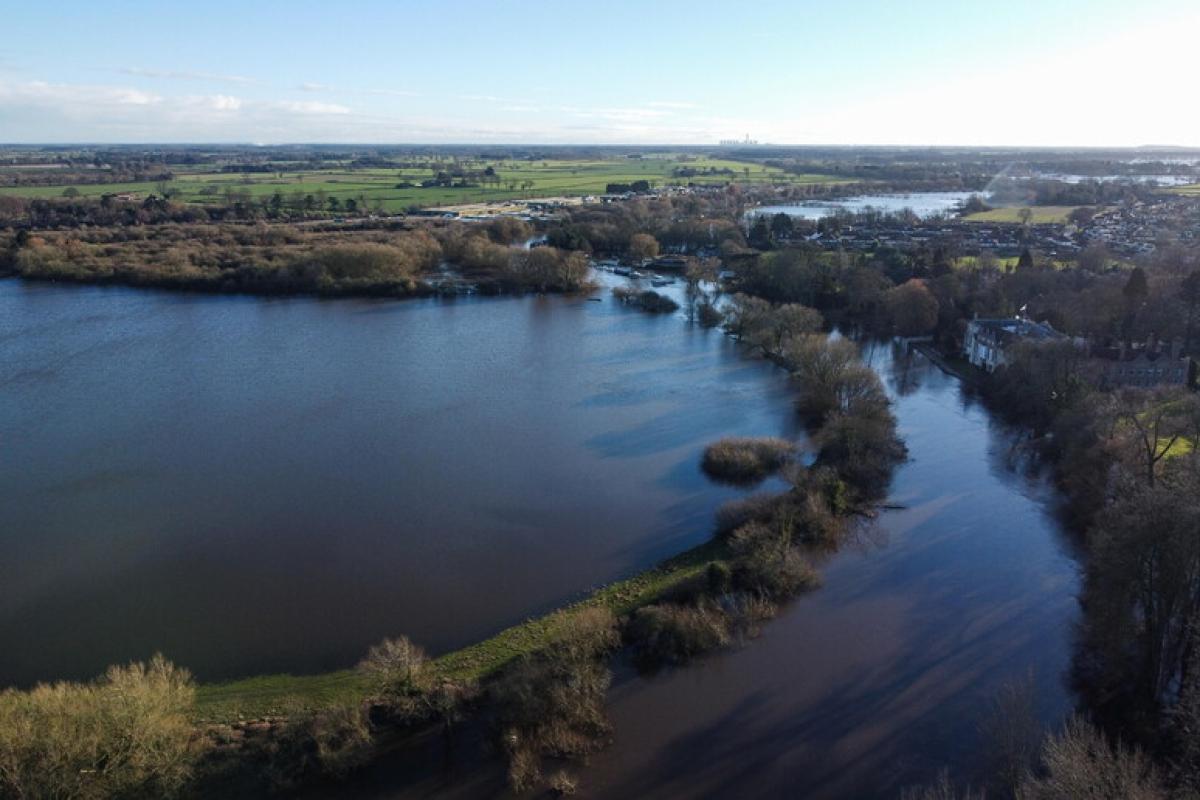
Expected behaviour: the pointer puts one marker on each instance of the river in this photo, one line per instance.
(876, 681)
(880, 678)
(276, 483)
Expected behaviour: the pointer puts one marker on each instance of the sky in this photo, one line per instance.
(918, 72)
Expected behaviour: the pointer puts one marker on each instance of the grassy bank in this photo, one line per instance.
(268, 695)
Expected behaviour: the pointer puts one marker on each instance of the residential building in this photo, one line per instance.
(986, 340)
(1148, 364)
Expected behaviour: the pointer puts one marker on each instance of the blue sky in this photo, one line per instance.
(1056, 72)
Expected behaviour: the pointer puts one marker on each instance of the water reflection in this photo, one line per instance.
(875, 681)
(880, 678)
(257, 485)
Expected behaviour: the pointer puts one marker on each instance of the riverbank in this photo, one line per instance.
(421, 288)
(956, 367)
(272, 695)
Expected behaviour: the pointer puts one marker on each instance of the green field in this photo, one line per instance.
(1192, 190)
(1003, 262)
(377, 186)
(1041, 215)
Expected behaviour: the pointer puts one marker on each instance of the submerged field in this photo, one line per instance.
(379, 188)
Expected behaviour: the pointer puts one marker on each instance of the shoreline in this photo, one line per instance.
(262, 696)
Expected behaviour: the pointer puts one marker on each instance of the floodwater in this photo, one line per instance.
(880, 678)
(873, 683)
(277, 483)
(252, 485)
(923, 204)
(1157, 180)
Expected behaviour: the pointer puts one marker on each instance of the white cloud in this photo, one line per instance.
(312, 107)
(185, 75)
(620, 114)
(133, 97)
(324, 87)
(388, 92)
(676, 105)
(73, 95)
(224, 102)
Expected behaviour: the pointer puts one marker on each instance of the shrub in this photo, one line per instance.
(406, 688)
(394, 664)
(775, 575)
(745, 460)
(552, 703)
(127, 733)
(647, 300)
(673, 634)
(1080, 763)
(940, 789)
(819, 508)
(585, 634)
(736, 513)
(332, 741)
(863, 449)
(746, 612)
(363, 262)
(718, 577)
(342, 739)
(563, 784)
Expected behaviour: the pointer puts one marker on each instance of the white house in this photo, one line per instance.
(987, 339)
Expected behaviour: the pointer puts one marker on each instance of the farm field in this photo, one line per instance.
(377, 188)
(1041, 215)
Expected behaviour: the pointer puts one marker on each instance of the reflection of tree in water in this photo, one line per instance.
(907, 371)
(1015, 452)
(901, 367)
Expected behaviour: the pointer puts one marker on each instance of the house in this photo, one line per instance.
(986, 340)
(1152, 363)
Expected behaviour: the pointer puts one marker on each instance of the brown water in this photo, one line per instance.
(253, 485)
(874, 682)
